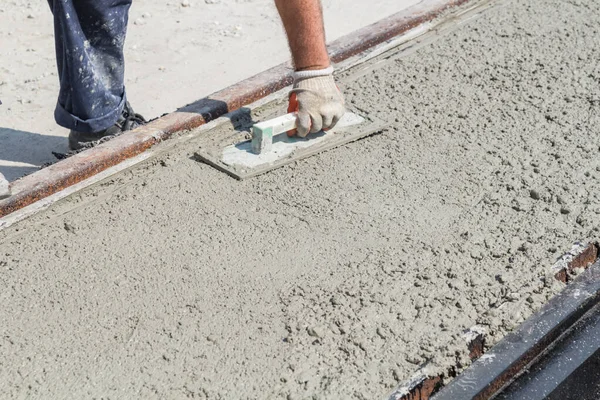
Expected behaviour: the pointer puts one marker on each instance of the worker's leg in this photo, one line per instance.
(89, 36)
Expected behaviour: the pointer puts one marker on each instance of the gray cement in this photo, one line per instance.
(377, 254)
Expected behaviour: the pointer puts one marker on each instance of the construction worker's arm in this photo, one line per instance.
(315, 95)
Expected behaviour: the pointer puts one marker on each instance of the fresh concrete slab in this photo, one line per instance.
(373, 256)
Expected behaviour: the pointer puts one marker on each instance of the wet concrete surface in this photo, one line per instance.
(340, 275)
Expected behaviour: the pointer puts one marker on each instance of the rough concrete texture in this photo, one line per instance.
(335, 277)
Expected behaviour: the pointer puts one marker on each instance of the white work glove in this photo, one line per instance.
(318, 101)
(4, 188)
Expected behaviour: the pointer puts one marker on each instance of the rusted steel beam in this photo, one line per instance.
(419, 387)
(580, 256)
(476, 346)
(77, 168)
(423, 385)
(424, 390)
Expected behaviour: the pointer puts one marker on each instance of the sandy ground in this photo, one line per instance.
(174, 55)
(337, 276)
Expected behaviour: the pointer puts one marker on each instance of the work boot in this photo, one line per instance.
(4, 187)
(127, 121)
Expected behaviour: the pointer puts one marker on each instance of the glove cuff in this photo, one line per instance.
(300, 75)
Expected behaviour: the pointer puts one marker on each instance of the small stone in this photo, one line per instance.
(494, 198)
(31, 16)
(316, 331)
(513, 296)
(476, 254)
(69, 228)
(476, 281)
(212, 339)
(336, 301)
(522, 247)
(139, 21)
(582, 220)
(304, 376)
(185, 3)
(419, 303)
(146, 15)
(534, 194)
(414, 360)
(515, 243)
(565, 210)
(521, 204)
(577, 271)
(493, 312)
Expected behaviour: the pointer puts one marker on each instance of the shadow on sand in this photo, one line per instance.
(28, 148)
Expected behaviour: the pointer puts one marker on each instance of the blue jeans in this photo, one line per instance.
(89, 37)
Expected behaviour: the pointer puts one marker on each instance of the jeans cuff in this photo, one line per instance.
(70, 121)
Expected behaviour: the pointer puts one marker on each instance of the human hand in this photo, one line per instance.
(318, 101)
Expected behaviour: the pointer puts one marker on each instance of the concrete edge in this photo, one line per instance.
(423, 385)
(517, 351)
(75, 169)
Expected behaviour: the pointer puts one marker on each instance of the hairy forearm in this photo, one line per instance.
(303, 23)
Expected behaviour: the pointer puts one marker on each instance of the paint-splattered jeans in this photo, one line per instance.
(89, 36)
